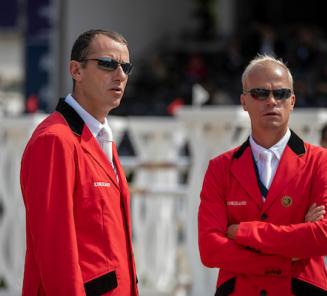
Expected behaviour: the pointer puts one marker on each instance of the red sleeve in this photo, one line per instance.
(47, 179)
(302, 240)
(216, 250)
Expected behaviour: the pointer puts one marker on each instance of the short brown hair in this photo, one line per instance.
(81, 47)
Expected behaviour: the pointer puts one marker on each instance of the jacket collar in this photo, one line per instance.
(295, 143)
(87, 140)
(290, 165)
(74, 121)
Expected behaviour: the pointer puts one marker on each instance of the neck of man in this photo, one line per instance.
(99, 115)
(269, 137)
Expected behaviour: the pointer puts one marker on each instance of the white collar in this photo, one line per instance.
(276, 149)
(93, 124)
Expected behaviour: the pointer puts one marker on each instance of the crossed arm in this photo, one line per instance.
(285, 240)
(315, 213)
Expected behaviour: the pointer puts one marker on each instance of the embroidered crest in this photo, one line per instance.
(286, 201)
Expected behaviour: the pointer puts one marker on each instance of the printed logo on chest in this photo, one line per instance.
(101, 184)
(237, 203)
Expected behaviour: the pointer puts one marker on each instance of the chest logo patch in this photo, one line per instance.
(286, 201)
(101, 184)
(237, 203)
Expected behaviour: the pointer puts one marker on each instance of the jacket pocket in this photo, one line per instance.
(226, 288)
(101, 285)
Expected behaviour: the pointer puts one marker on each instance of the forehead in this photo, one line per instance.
(268, 73)
(268, 70)
(102, 44)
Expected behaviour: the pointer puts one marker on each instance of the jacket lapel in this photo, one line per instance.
(121, 175)
(91, 146)
(290, 165)
(243, 170)
(123, 185)
(88, 142)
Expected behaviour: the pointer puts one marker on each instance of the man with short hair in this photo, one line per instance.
(262, 213)
(78, 226)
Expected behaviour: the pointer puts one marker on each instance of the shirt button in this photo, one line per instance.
(263, 293)
(264, 216)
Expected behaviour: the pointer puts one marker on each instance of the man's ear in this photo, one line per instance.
(242, 100)
(293, 100)
(75, 70)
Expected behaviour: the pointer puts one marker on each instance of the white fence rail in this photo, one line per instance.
(164, 201)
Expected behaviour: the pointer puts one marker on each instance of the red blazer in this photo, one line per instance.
(270, 233)
(78, 224)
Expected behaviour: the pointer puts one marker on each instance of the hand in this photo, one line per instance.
(315, 213)
(232, 230)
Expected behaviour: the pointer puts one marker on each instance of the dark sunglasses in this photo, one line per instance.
(263, 94)
(110, 64)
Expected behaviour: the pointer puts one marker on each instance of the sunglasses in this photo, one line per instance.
(263, 94)
(110, 64)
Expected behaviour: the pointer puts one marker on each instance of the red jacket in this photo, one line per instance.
(270, 233)
(77, 215)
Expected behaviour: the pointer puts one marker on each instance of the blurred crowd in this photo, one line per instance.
(164, 79)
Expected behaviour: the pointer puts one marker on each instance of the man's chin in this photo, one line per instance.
(114, 104)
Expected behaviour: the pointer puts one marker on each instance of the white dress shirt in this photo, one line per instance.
(276, 151)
